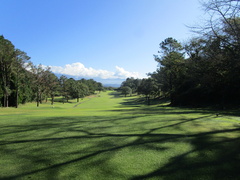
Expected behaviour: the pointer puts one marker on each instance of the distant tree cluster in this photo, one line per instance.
(206, 69)
(21, 81)
(147, 87)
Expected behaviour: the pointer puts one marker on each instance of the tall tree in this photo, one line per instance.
(172, 66)
(40, 82)
(20, 72)
(148, 87)
(223, 33)
(82, 90)
(126, 90)
(99, 87)
(7, 60)
(63, 87)
(132, 83)
(52, 84)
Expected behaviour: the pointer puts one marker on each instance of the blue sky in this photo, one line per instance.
(106, 39)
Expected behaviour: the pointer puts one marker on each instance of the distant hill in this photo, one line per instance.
(106, 82)
(112, 85)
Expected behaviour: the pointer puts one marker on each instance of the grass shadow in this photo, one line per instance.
(213, 156)
(210, 158)
(130, 144)
(115, 94)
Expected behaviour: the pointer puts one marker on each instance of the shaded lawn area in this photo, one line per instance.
(111, 137)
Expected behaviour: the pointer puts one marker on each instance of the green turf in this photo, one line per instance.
(112, 137)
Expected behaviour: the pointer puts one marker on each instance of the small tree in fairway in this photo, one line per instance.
(148, 88)
(126, 90)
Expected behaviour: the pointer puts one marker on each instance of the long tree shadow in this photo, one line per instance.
(87, 147)
(209, 159)
(213, 158)
(116, 94)
(139, 106)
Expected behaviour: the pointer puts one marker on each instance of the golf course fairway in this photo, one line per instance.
(109, 136)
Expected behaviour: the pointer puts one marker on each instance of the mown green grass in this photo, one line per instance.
(112, 137)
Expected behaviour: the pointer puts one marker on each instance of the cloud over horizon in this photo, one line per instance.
(79, 70)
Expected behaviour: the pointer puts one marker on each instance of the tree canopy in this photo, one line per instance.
(21, 81)
(205, 70)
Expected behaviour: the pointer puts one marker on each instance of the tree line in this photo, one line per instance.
(22, 82)
(205, 70)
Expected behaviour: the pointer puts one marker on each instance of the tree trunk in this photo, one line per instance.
(40, 98)
(6, 100)
(6, 94)
(37, 99)
(52, 100)
(17, 87)
(148, 99)
(17, 98)
(63, 99)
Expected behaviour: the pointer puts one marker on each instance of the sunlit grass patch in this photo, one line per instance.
(113, 137)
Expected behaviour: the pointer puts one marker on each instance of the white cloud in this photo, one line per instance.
(79, 70)
(120, 72)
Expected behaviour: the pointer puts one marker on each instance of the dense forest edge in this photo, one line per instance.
(23, 82)
(203, 71)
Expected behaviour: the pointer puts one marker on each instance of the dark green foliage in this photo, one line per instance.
(22, 82)
(77, 89)
(6, 68)
(12, 74)
(209, 73)
(172, 67)
(126, 90)
(132, 83)
(148, 87)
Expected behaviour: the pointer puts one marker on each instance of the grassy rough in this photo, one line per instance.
(113, 137)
